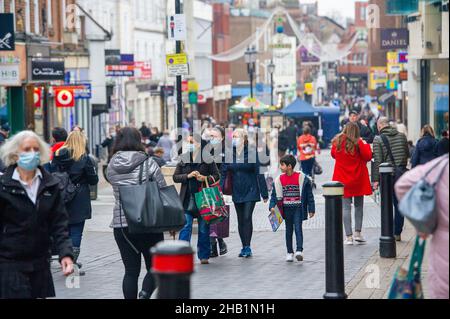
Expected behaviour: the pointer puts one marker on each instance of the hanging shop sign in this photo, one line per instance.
(309, 88)
(125, 67)
(307, 57)
(64, 97)
(112, 57)
(392, 39)
(81, 91)
(37, 97)
(7, 39)
(378, 77)
(403, 75)
(47, 70)
(403, 57)
(143, 70)
(9, 74)
(177, 64)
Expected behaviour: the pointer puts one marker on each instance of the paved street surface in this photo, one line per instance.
(266, 275)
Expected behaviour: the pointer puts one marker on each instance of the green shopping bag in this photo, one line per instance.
(211, 204)
(407, 284)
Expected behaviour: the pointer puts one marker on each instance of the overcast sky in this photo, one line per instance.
(345, 7)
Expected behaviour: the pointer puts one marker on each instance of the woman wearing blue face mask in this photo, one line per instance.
(31, 212)
(248, 186)
(191, 172)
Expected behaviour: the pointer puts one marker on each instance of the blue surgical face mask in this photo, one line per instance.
(215, 142)
(29, 161)
(190, 148)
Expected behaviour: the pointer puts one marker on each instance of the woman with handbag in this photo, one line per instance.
(217, 235)
(191, 172)
(248, 186)
(351, 154)
(124, 170)
(436, 173)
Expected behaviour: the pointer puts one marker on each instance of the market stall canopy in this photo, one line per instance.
(246, 104)
(301, 108)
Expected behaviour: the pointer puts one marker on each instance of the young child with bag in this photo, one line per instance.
(292, 194)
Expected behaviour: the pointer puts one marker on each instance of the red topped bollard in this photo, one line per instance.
(172, 266)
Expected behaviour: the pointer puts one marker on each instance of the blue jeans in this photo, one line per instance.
(294, 222)
(307, 166)
(76, 234)
(399, 219)
(203, 244)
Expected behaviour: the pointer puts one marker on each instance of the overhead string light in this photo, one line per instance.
(328, 52)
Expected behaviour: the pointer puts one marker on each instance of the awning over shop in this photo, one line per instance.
(387, 97)
(301, 108)
(246, 105)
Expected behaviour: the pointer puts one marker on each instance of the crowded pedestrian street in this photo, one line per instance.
(231, 157)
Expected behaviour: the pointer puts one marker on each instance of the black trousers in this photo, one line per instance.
(245, 221)
(132, 260)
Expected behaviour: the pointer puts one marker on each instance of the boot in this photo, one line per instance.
(76, 254)
(214, 250)
(223, 247)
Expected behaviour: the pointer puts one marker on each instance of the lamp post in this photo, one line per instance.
(250, 59)
(271, 70)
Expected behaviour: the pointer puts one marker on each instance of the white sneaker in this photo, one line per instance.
(359, 239)
(348, 241)
(290, 258)
(299, 256)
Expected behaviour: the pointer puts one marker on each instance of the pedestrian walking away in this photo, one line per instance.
(27, 191)
(292, 194)
(438, 276)
(248, 186)
(426, 147)
(307, 147)
(390, 147)
(352, 154)
(442, 147)
(123, 170)
(191, 172)
(166, 143)
(72, 159)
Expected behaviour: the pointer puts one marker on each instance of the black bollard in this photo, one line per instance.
(334, 245)
(173, 265)
(387, 240)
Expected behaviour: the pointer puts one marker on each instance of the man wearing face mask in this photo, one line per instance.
(29, 191)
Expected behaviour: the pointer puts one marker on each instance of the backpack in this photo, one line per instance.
(67, 188)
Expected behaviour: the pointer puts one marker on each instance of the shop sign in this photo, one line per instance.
(9, 75)
(177, 64)
(392, 39)
(64, 97)
(47, 70)
(7, 39)
(82, 91)
(378, 77)
(309, 88)
(112, 57)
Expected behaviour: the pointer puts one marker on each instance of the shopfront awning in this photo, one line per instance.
(387, 97)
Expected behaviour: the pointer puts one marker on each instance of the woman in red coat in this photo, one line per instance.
(352, 153)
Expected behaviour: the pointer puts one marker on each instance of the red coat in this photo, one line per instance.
(351, 170)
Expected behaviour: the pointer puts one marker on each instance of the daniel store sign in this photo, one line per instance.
(392, 39)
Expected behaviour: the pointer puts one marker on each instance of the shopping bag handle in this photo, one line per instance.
(417, 258)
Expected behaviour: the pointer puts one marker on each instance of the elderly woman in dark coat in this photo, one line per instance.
(31, 212)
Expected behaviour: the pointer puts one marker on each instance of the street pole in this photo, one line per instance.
(387, 240)
(251, 87)
(179, 80)
(334, 246)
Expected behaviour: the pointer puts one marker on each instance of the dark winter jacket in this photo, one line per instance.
(82, 173)
(188, 186)
(442, 147)
(308, 202)
(425, 151)
(292, 132)
(399, 146)
(366, 133)
(26, 228)
(249, 185)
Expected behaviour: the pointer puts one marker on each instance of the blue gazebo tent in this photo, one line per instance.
(300, 108)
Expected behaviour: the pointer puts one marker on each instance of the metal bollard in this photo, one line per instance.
(173, 265)
(387, 240)
(334, 245)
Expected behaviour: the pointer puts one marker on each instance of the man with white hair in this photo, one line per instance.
(27, 191)
(391, 147)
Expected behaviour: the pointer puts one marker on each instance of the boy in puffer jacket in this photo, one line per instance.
(292, 194)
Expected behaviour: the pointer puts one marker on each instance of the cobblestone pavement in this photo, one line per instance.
(266, 275)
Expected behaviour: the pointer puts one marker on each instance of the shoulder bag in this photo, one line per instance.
(419, 204)
(398, 170)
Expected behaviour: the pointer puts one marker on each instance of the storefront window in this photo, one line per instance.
(439, 95)
(4, 118)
